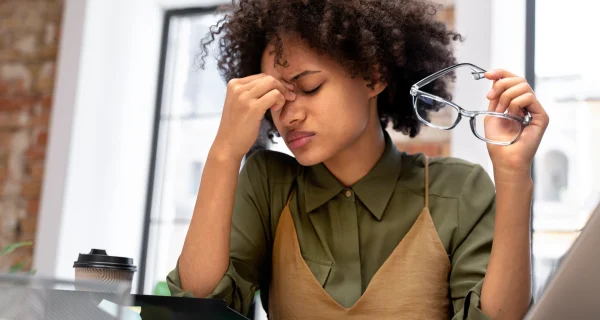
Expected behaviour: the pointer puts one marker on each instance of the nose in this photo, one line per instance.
(292, 113)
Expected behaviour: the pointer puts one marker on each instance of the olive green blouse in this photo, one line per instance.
(346, 233)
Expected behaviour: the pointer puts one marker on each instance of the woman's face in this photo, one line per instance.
(332, 110)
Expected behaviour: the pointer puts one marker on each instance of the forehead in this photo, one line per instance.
(298, 55)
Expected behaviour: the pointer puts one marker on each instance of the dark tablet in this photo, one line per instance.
(174, 308)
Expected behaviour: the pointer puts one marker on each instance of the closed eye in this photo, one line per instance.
(313, 91)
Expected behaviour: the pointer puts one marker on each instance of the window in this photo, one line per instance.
(190, 111)
(553, 183)
(566, 170)
(195, 176)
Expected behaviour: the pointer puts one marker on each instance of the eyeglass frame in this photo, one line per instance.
(478, 74)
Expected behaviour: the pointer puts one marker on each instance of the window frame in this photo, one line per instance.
(166, 27)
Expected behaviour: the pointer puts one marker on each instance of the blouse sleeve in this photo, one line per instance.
(249, 239)
(471, 255)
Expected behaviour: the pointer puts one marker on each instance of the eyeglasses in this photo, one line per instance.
(492, 127)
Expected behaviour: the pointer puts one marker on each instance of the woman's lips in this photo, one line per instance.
(298, 139)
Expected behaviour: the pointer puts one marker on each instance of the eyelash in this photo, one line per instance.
(313, 91)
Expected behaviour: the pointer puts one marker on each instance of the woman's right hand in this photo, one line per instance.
(246, 103)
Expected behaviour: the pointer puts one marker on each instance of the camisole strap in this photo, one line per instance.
(426, 182)
(289, 200)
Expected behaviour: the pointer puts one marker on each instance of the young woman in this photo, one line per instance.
(351, 227)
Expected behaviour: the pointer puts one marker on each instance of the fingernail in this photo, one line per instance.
(499, 108)
(288, 85)
(292, 95)
(491, 93)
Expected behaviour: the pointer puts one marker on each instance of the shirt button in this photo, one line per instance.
(348, 193)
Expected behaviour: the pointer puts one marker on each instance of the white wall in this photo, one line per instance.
(473, 21)
(57, 155)
(508, 39)
(107, 96)
(98, 157)
(495, 38)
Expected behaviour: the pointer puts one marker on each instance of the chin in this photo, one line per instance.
(309, 157)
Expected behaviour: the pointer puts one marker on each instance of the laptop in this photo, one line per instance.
(573, 291)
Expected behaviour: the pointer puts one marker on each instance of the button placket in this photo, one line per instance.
(348, 195)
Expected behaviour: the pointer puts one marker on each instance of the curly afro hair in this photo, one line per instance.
(400, 39)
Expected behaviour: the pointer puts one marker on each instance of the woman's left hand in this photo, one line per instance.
(514, 93)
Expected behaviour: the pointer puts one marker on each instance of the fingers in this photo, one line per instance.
(246, 80)
(262, 86)
(522, 101)
(493, 102)
(498, 74)
(501, 85)
(261, 92)
(504, 90)
(273, 99)
(513, 93)
(507, 96)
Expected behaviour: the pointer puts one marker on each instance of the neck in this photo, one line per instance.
(355, 161)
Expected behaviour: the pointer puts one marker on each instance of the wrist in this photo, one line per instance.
(513, 186)
(512, 176)
(222, 154)
(224, 151)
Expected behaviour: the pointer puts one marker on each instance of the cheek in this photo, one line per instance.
(345, 104)
(353, 111)
(276, 116)
(339, 121)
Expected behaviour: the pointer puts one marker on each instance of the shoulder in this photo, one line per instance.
(269, 176)
(273, 166)
(448, 177)
(267, 180)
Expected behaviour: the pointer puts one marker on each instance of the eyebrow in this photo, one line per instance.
(303, 73)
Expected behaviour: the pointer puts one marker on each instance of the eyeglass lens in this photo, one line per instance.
(437, 113)
(496, 129)
(488, 127)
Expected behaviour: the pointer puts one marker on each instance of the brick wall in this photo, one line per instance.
(29, 36)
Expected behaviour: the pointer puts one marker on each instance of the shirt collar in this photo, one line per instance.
(321, 186)
(374, 190)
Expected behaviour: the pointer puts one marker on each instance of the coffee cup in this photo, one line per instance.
(98, 267)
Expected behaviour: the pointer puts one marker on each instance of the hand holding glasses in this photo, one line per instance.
(492, 127)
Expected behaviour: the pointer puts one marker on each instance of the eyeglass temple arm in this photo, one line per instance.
(477, 74)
